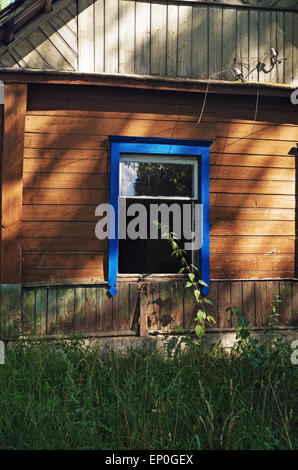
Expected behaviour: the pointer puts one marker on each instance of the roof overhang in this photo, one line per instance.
(147, 82)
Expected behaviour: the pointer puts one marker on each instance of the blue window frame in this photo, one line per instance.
(152, 145)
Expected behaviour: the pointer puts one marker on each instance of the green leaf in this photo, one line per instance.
(191, 276)
(202, 283)
(244, 334)
(181, 270)
(188, 284)
(243, 322)
(207, 301)
(211, 319)
(200, 331)
(253, 341)
(197, 294)
(201, 316)
(194, 267)
(174, 245)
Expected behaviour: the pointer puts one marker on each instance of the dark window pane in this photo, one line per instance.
(150, 256)
(156, 179)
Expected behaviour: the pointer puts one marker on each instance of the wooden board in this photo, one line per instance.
(142, 60)
(229, 42)
(158, 38)
(215, 41)
(184, 40)
(172, 44)
(12, 186)
(199, 63)
(250, 262)
(99, 53)
(65, 180)
(85, 36)
(252, 227)
(111, 36)
(90, 310)
(126, 36)
(251, 244)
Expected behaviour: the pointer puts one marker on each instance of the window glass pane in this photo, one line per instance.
(156, 179)
(151, 256)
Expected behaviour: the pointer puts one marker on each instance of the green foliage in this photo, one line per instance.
(243, 335)
(258, 353)
(64, 395)
(194, 283)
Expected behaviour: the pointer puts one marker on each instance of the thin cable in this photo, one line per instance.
(204, 103)
(206, 91)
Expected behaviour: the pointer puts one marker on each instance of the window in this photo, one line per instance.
(158, 183)
(152, 171)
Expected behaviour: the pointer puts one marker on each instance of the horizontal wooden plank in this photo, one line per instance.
(60, 155)
(254, 146)
(62, 260)
(251, 186)
(233, 275)
(228, 109)
(94, 94)
(255, 131)
(243, 173)
(63, 243)
(66, 180)
(59, 229)
(99, 126)
(266, 161)
(240, 213)
(67, 142)
(255, 244)
(104, 109)
(64, 196)
(61, 276)
(66, 165)
(250, 262)
(252, 200)
(59, 212)
(252, 227)
(244, 114)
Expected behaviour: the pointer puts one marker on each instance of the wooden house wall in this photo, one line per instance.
(66, 175)
(162, 38)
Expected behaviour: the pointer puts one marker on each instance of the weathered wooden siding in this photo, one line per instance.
(167, 306)
(164, 38)
(252, 188)
(85, 309)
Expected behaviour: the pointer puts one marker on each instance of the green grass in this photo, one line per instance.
(66, 397)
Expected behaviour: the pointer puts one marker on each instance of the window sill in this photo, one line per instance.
(151, 277)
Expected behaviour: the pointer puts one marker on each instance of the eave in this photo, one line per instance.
(147, 82)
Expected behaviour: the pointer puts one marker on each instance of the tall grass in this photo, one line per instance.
(65, 396)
